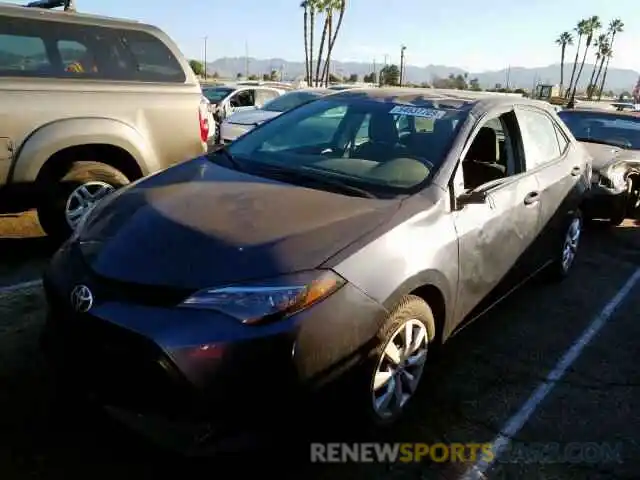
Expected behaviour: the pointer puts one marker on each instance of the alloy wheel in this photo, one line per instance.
(399, 369)
(571, 241)
(83, 198)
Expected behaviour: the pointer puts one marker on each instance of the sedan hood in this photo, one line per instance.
(606, 155)
(199, 225)
(251, 117)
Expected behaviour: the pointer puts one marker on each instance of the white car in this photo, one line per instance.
(241, 122)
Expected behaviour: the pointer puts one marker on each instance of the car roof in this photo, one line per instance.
(73, 16)
(455, 98)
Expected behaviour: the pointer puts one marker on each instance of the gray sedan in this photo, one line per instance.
(241, 122)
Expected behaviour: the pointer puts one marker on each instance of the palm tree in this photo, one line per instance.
(326, 69)
(593, 25)
(341, 6)
(601, 43)
(616, 26)
(581, 30)
(322, 5)
(605, 54)
(312, 5)
(305, 6)
(563, 40)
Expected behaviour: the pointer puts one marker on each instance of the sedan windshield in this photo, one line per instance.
(290, 100)
(369, 144)
(216, 94)
(606, 128)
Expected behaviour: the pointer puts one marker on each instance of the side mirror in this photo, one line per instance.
(472, 197)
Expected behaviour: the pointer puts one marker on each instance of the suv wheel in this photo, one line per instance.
(71, 196)
(397, 364)
(565, 258)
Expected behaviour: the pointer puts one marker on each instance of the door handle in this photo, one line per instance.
(575, 171)
(531, 198)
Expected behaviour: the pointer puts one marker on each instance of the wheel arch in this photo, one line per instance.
(432, 287)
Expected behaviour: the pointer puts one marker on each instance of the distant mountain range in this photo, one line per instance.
(618, 79)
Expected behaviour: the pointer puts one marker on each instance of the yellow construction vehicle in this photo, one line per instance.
(549, 93)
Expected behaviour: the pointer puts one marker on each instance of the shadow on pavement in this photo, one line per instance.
(23, 259)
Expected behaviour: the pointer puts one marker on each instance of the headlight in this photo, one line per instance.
(270, 299)
(617, 176)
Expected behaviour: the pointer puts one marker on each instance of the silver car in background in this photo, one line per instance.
(241, 122)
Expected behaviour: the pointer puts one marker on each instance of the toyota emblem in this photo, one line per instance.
(81, 298)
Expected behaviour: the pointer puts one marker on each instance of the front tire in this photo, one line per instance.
(395, 368)
(71, 196)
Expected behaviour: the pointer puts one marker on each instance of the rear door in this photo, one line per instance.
(548, 153)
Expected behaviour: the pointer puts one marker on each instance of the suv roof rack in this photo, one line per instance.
(68, 5)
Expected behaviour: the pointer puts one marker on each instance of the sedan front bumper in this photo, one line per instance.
(195, 376)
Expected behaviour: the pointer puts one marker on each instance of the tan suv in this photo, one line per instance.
(87, 105)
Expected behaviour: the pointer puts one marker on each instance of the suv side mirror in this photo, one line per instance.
(472, 197)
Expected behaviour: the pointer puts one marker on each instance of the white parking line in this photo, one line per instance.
(517, 421)
(20, 286)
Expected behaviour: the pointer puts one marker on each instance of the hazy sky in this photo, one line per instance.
(471, 34)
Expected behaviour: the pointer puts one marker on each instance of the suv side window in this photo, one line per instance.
(21, 53)
(539, 137)
(51, 49)
(153, 60)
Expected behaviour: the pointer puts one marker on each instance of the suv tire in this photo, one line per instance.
(81, 186)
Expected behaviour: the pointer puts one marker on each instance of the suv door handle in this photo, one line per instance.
(531, 198)
(575, 171)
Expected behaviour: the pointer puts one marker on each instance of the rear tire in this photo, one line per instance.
(568, 248)
(70, 196)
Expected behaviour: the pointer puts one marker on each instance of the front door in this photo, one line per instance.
(495, 237)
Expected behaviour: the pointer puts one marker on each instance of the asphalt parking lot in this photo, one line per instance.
(482, 379)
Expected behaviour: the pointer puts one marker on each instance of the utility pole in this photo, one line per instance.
(508, 75)
(205, 58)
(402, 49)
(246, 60)
(375, 73)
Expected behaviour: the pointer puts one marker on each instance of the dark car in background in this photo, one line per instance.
(613, 141)
(241, 122)
(213, 294)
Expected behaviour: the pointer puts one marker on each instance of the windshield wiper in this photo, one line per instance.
(233, 161)
(308, 178)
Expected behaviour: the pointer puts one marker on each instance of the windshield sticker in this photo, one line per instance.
(418, 112)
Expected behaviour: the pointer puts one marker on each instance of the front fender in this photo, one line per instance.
(55, 136)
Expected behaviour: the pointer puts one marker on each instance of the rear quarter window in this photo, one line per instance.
(50, 49)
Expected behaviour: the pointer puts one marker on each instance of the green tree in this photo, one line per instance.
(616, 26)
(563, 40)
(593, 25)
(252, 77)
(238, 76)
(353, 78)
(369, 78)
(197, 67)
(215, 75)
(581, 30)
(390, 75)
